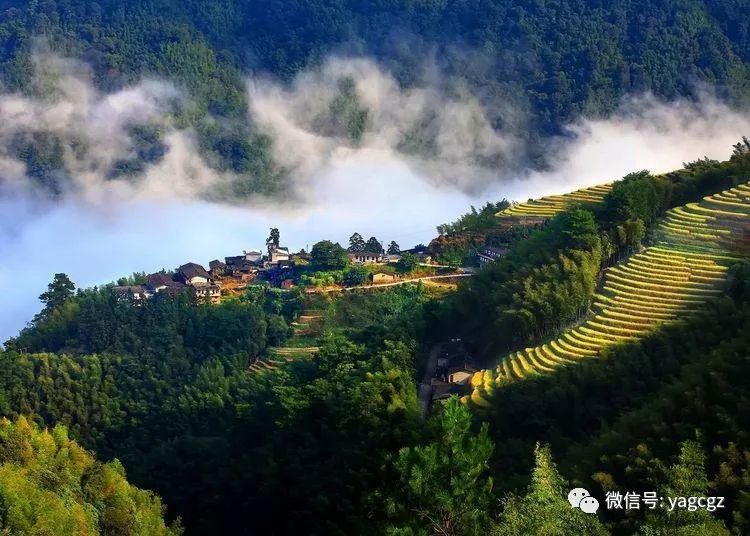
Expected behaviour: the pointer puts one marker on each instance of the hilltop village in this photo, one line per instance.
(327, 267)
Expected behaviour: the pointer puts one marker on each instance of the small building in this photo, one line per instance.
(239, 265)
(365, 257)
(392, 258)
(216, 268)
(159, 281)
(460, 375)
(287, 283)
(253, 256)
(301, 255)
(380, 277)
(193, 274)
(278, 254)
(490, 253)
(209, 293)
(134, 293)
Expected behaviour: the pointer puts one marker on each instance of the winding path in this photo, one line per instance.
(385, 285)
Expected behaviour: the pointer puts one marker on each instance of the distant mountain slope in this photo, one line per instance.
(686, 266)
(537, 65)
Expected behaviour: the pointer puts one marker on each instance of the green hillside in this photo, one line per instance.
(535, 66)
(303, 413)
(50, 485)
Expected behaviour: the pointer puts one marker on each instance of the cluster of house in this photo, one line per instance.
(369, 257)
(188, 276)
(207, 283)
(243, 269)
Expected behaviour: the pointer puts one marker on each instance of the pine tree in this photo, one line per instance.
(373, 245)
(545, 508)
(447, 486)
(687, 478)
(356, 243)
(59, 291)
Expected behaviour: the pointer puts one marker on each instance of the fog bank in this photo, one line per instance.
(377, 184)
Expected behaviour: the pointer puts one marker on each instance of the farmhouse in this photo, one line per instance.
(193, 274)
(160, 281)
(460, 375)
(365, 257)
(136, 293)
(253, 256)
(239, 266)
(209, 293)
(278, 254)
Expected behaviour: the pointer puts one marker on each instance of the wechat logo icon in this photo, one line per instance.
(580, 498)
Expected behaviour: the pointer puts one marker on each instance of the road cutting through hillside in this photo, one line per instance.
(386, 285)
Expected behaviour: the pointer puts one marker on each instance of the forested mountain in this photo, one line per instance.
(337, 437)
(547, 63)
(335, 442)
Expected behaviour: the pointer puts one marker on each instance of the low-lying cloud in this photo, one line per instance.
(346, 105)
(363, 154)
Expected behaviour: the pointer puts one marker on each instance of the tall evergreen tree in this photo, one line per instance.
(446, 482)
(545, 508)
(59, 291)
(686, 479)
(356, 243)
(373, 245)
(274, 239)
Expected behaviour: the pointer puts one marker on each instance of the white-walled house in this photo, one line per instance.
(253, 256)
(278, 254)
(365, 257)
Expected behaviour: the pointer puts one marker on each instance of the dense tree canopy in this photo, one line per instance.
(50, 485)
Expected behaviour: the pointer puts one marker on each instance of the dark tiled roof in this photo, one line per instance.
(124, 290)
(159, 279)
(191, 270)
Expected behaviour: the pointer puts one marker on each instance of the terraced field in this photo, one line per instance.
(686, 266)
(546, 207)
(301, 345)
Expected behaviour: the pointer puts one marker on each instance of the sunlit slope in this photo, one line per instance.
(546, 207)
(686, 266)
(718, 221)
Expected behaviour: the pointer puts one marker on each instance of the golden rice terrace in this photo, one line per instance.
(686, 266)
(546, 207)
